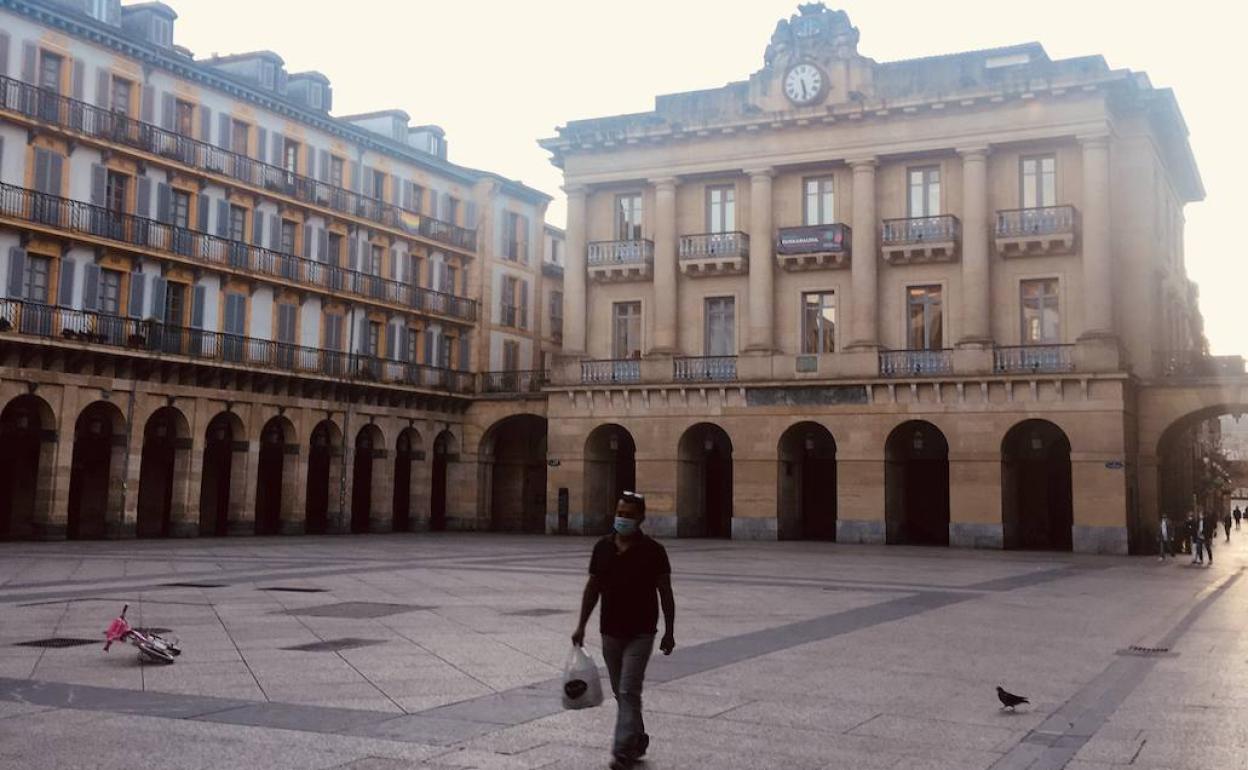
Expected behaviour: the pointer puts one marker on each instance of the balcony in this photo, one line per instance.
(78, 117)
(512, 382)
(813, 247)
(1036, 231)
(610, 371)
(621, 260)
(705, 369)
(714, 253)
(919, 240)
(1033, 359)
(63, 215)
(151, 338)
(916, 363)
(1194, 363)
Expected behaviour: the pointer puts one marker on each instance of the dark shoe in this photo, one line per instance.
(620, 763)
(643, 743)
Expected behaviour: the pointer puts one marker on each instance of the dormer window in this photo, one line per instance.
(162, 32)
(268, 74)
(314, 97)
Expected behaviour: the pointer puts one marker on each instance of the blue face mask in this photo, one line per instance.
(625, 526)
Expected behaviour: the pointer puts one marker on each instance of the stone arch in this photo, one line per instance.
(704, 482)
(445, 452)
(223, 480)
(916, 485)
(277, 478)
(323, 479)
(409, 454)
(370, 483)
(806, 483)
(27, 467)
(512, 474)
(97, 473)
(610, 468)
(1037, 502)
(164, 474)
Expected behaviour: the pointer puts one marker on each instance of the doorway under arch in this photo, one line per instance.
(324, 466)
(806, 494)
(97, 475)
(223, 478)
(27, 460)
(1037, 508)
(407, 452)
(704, 482)
(513, 474)
(276, 474)
(366, 497)
(164, 470)
(444, 453)
(916, 485)
(610, 468)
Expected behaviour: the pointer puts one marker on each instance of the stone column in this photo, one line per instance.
(574, 276)
(1098, 296)
(762, 269)
(864, 264)
(666, 267)
(976, 266)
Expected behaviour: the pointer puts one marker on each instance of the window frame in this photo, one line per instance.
(721, 215)
(629, 221)
(631, 319)
(803, 328)
(1044, 310)
(730, 301)
(926, 344)
(926, 185)
(824, 194)
(1037, 188)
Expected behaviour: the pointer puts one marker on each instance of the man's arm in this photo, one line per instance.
(668, 602)
(589, 599)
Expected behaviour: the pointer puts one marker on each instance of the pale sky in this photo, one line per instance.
(500, 75)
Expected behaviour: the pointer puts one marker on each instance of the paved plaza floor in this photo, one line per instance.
(444, 651)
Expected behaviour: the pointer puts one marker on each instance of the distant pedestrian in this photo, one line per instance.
(1211, 533)
(1194, 528)
(1237, 514)
(1163, 538)
(1226, 524)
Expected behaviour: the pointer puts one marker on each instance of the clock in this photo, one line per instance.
(804, 83)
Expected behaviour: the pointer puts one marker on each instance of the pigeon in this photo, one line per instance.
(1009, 700)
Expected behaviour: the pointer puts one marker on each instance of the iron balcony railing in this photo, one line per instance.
(602, 253)
(1029, 359)
(106, 125)
(915, 363)
(1195, 363)
(943, 228)
(513, 382)
(610, 370)
(704, 369)
(148, 337)
(711, 245)
(87, 219)
(1047, 220)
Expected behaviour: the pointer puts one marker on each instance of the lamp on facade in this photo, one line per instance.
(917, 441)
(708, 444)
(1037, 443)
(613, 443)
(810, 443)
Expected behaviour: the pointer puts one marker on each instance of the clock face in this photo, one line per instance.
(803, 83)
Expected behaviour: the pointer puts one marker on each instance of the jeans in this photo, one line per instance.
(1202, 543)
(626, 659)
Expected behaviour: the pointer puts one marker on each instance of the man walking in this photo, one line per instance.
(631, 573)
(1238, 515)
(1211, 533)
(1163, 538)
(1195, 526)
(1226, 524)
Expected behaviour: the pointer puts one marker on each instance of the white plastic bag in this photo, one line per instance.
(582, 689)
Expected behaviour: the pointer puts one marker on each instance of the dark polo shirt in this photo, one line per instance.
(629, 582)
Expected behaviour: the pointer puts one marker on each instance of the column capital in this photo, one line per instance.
(974, 152)
(664, 181)
(863, 162)
(575, 189)
(760, 171)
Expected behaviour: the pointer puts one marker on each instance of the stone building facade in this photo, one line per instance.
(920, 301)
(225, 311)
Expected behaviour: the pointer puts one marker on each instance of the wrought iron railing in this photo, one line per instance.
(1047, 220)
(943, 228)
(1024, 359)
(151, 337)
(915, 363)
(711, 245)
(704, 369)
(603, 253)
(116, 127)
(610, 370)
(87, 219)
(513, 381)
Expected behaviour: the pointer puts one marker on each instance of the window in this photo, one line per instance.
(555, 247)
(818, 200)
(110, 292)
(162, 32)
(924, 312)
(510, 304)
(446, 351)
(334, 243)
(511, 355)
(924, 191)
(336, 170)
(288, 236)
(818, 323)
(1040, 317)
(268, 74)
(375, 256)
(628, 217)
(314, 97)
(119, 96)
(449, 274)
(35, 288)
(50, 71)
(418, 198)
(181, 209)
(721, 209)
(175, 303)
(413, 344)
(452, 210)
(1038, 175)
(720, 338)
(372, 346)
(115, 192)
(517, 237)
(556, 308)
(184, 113)
(626, 330)
(333, 332)
(238, 224)
(290, 156)
(379, 186)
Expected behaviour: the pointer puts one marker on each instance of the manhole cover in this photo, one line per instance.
(335, 645)
(193, 585)
(59, 641)
(539, 612)
(357, 610)
(1148, 652)
(296, 589)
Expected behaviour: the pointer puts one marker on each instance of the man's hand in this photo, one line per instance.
(667, 644)
(578, 636)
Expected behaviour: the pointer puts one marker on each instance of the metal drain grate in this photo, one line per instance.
(539, 612)
(335, 645)
(192, 585)
(57, 642)
(1148, 652)
(296, 589)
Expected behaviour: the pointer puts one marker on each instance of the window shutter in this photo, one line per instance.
(17, 272)
(41, 169)
(368, 182)
(353, 247)
(257, 228)
(262, 147)
(205, 124)
(396, 190)
(197, 307)
(307, 241)
(311, 161)
(134, 307)
(143, 200)
(323, 166)
(390, 335)
(407, 195)
(99, 183)
(4, 53)
(66, 289)
(54, 173)
(355, 176)
(164, 203)
(90, 287)
(79, 73)
(429, 348)
(159, 285)
(524, 304)
(166, 111)
(147, 104)
(201, 213)
(323, 245)
(102, 82)
(223, 218)
(470, 215)
(278, 156)
(394, 264)
(28, 62)
(361, 336)
(275, 233)
(223, 132)
(435, 198)
(444, 207)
